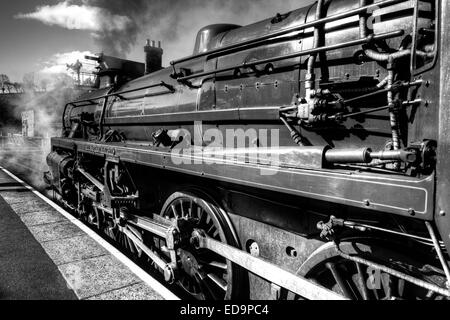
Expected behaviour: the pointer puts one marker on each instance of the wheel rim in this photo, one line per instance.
(359, 282)
(202, 273)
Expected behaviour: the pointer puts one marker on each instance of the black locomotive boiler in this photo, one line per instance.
(303, 156)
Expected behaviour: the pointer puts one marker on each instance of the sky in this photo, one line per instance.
(44, 35)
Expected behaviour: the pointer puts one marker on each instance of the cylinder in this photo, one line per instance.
(60, 163)
(306, 157)
(348, 156)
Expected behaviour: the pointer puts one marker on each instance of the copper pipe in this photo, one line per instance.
(363, 20)
(296, 136)
(393, 112)
(310, 76)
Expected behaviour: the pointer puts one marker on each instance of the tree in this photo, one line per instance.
(4, 81)
(29, 82)
(18, 87)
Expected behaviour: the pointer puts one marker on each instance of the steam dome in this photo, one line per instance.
(206, 34)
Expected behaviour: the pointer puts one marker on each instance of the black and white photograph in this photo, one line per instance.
(224, 158)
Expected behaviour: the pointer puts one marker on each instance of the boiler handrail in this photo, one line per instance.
(352, 43)
(262, 40)
(91, 101)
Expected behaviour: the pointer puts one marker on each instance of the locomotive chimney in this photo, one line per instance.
(153, 56)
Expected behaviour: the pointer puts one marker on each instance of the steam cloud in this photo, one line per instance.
(57, 64)
(116, 25)
(47, 110)
(77, 17)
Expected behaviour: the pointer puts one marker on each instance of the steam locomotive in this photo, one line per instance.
(305, 156)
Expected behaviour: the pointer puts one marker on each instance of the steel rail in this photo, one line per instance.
(351, 43)
(315, 23)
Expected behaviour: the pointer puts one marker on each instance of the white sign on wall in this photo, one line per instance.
(28, 123)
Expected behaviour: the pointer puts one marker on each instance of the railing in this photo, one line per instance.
(12, 142)
(263, 40)
(91, 101)
(352, 43)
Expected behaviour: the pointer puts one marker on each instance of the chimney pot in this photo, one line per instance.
(153, 56)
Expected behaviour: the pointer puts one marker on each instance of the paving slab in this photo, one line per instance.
(41, 218)
(14, 197)
(73, 249)
(55, 231)
(30, 206)
(137, 292)
(92, 277)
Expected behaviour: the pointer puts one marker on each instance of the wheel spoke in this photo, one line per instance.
(200, 214)
(139, 236)
(131, 245)
(340, 282)
(400, 287)
(182, 209)
(203, 283)
(375, 293)
(191, 208)
(386, 282)
(362, 282)
(217, 264)
(430, 294)
(174, 210)
(219, 282)
(211, 229)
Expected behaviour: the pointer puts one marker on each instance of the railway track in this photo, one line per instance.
(24, 168)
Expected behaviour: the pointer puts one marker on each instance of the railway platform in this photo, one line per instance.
(46, 254)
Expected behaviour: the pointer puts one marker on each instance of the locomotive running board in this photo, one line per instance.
(265, 269)
(399, 195)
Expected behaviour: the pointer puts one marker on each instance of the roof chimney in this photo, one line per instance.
(153, 56)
